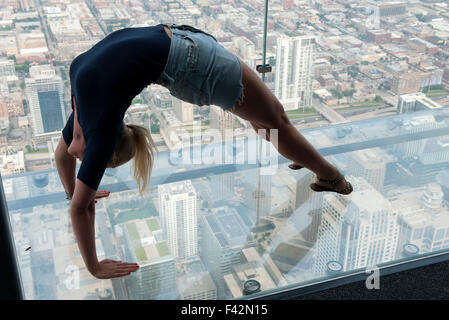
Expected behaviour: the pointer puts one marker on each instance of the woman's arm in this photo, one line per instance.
(82, 214)
(66, 165)
(100, 144)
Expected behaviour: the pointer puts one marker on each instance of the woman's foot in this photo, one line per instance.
(337, 183)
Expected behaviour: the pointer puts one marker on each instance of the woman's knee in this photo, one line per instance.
(278, 118)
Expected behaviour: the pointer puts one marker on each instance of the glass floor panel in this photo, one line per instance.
(245, 230)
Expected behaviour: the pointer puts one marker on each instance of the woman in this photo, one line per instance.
(195, 68)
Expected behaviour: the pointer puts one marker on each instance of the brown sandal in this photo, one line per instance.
(347, 190)
(294, 166)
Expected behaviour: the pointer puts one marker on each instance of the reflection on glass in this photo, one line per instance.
(204, 236)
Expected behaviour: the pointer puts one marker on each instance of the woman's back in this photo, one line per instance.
(106, 78)
(104, 81)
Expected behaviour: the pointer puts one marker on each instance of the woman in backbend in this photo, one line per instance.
(195, 68)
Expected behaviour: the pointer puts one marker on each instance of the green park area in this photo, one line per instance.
(130, 210)
(190, 130)
(435, 91)
(153, 225)
(301, 113)
(362, 105)
(131, 214)
(162, 248)
(140, 254)
(132, 231)
(30, 150)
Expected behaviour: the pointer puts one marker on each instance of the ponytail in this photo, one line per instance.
(144, 155)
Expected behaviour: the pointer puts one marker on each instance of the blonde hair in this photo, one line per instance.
(136, 142)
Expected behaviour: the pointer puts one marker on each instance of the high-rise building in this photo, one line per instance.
(183, 110)
(11, 161)
(371, 165)
(359, 232)
(388, 8)
(247, 271)
(42, 263)
(287, 4)
(222, 121)
(195, 282)
(225, 184)
(423, 218)
(415, 125)
(45, 95)
(310, 202)
(413, 102)
(144, 243)
(258, 193)
(406, 82)
(178, 210)
(224, 235)
(7, 69)
(245, 47)
(294, 71)
(423, 167)
(250, 254)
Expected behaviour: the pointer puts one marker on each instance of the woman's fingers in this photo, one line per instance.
(102, 193)
(128, 264)
(120, 271)
(124, 266)
(114, 268)
(127, 268)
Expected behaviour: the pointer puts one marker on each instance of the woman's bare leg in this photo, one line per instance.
(264, 111)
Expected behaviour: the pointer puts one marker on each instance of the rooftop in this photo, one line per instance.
(145, 245)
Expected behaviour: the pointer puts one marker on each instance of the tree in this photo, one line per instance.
(22, 67)
(349, 93)
(420, 17)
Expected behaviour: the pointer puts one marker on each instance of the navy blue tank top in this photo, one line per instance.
(104, 80)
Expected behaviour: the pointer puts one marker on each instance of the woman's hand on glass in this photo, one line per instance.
(107, 269)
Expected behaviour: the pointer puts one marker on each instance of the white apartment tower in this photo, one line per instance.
(414, 102)
(416, 125)
(221, 120)
(358, 232)
(7, 69)
(45, 95)
(178, 212)
(370, 164)
(423, 218)
(183, 110)
(294, 71)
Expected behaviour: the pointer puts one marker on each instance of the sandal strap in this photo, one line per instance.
(348, 188)
(332, 182)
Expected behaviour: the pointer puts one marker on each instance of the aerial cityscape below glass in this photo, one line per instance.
(366, 82)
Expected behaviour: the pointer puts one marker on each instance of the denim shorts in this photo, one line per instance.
(201, 71)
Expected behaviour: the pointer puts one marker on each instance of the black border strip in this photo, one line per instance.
(11, 285)
(313, 286)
